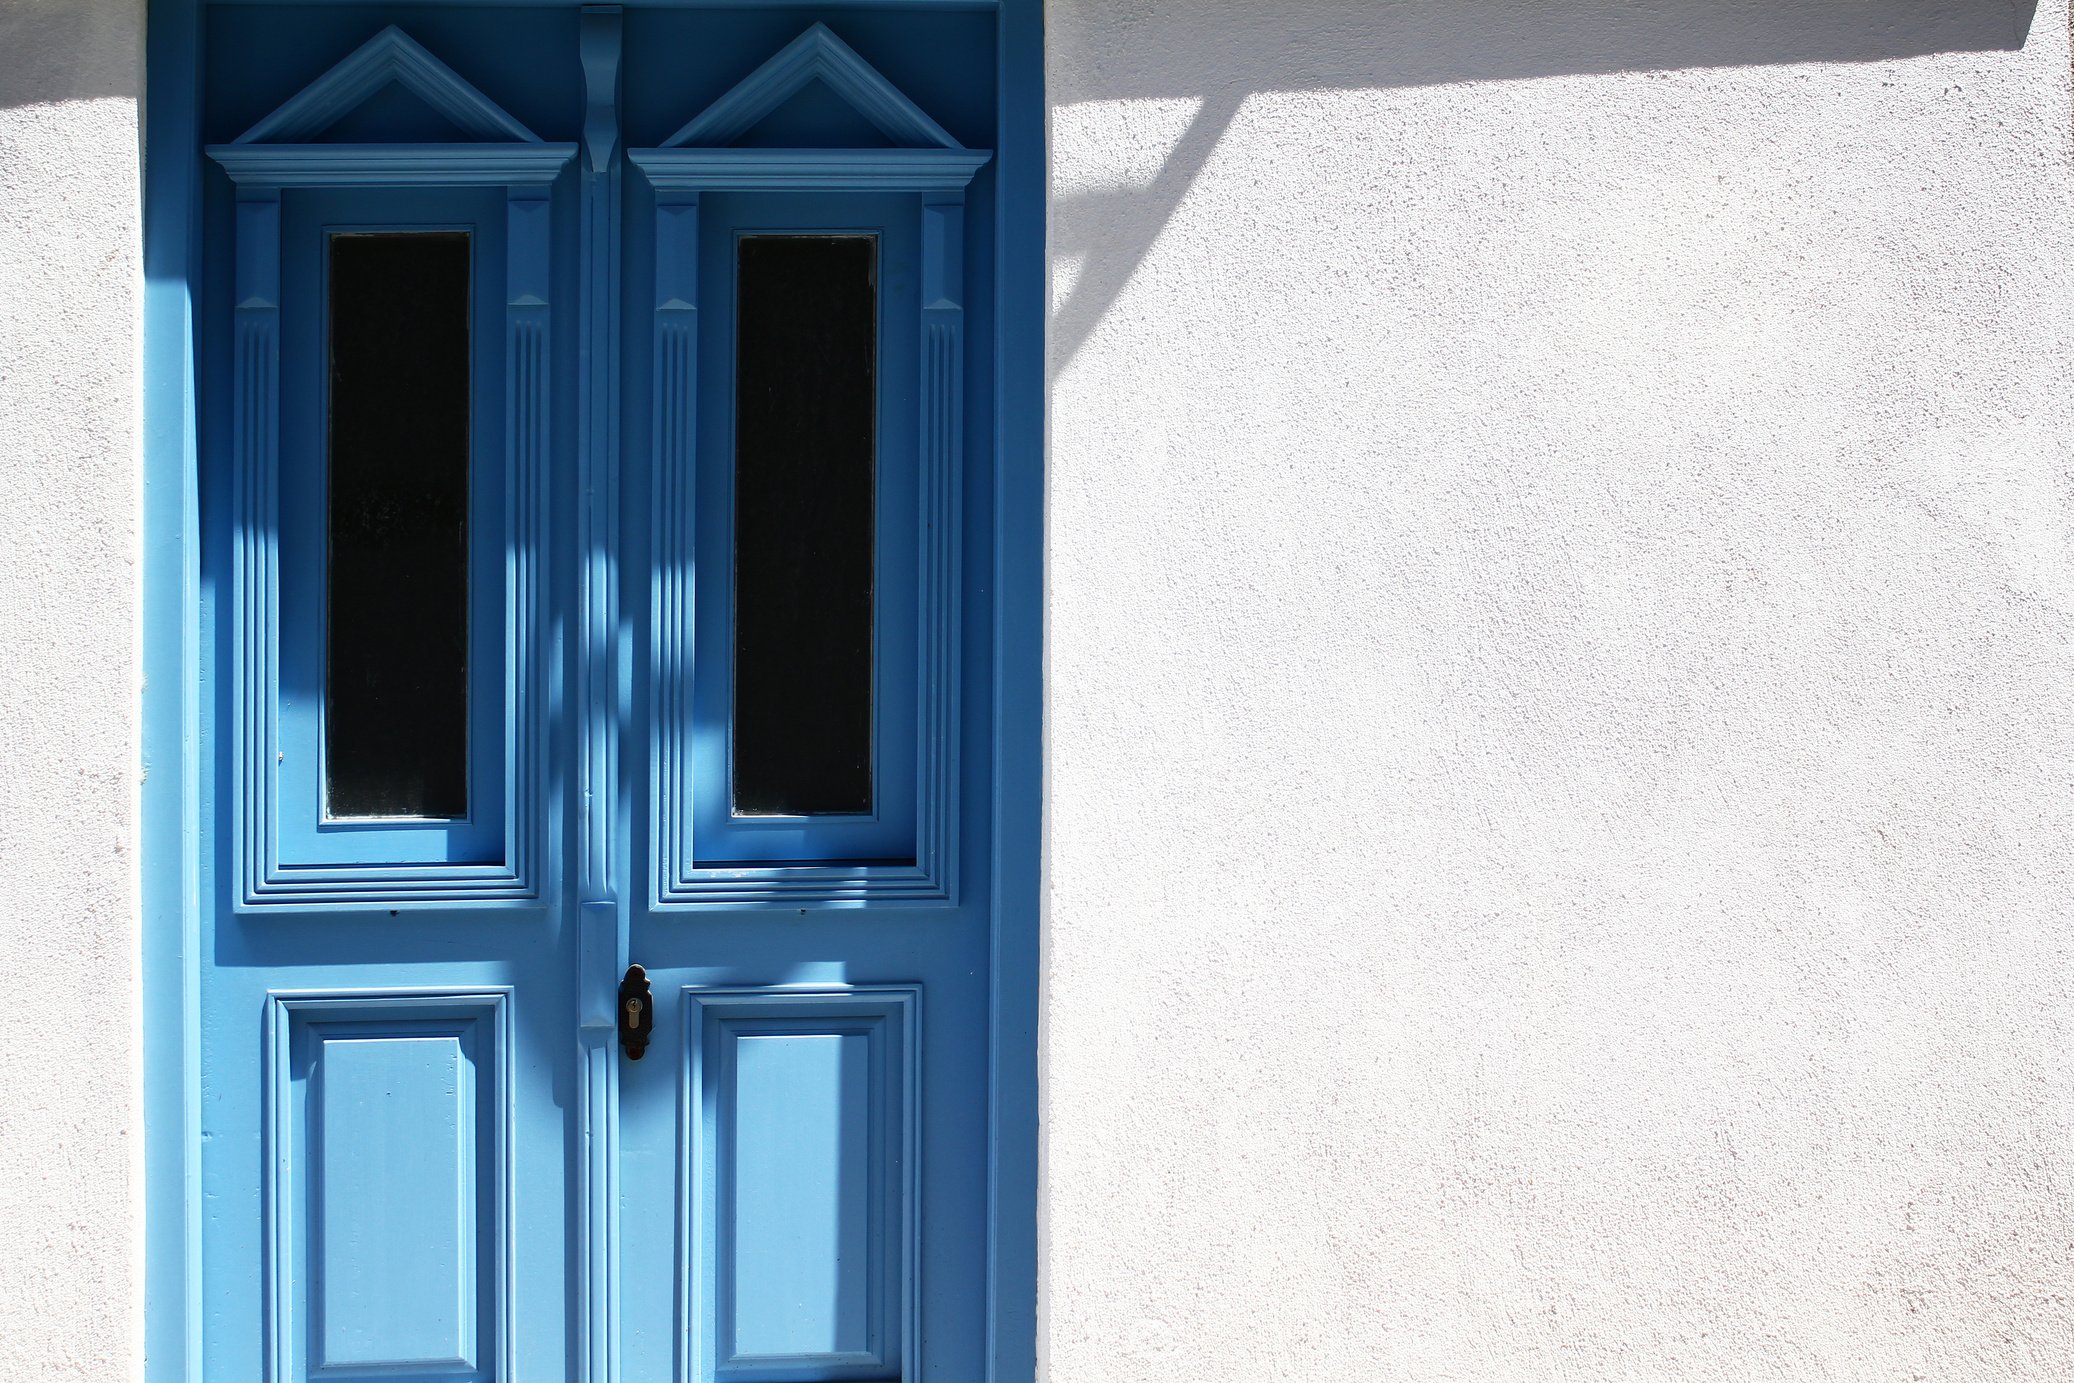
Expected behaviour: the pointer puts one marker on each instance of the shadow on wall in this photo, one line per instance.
(1217, 52)
(70, 50)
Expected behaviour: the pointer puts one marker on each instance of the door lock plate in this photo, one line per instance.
(636, 1013)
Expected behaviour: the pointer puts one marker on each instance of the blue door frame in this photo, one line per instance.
(173, 714)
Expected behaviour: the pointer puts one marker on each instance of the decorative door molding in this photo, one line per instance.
(274, 155)
(701, 158)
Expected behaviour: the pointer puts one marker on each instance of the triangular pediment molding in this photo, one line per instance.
(390, 56)
(816, 55)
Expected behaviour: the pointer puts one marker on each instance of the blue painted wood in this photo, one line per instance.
(256, 451)
(528, 444)
(907, 852)
(887, 833)
(602, 697)
(673, 620)
(393, 165)
(1016, 686)
(392, 1267)
(293, 856)
(798, 1228)
(397, 928)
(169, 787)
(294, 784)
(606, 1161)
(390, 56)
(816, 55)
(940, 568)
(389, 1126)
(810, 914)
(805, 1158)
(820, 170)
(289, 855)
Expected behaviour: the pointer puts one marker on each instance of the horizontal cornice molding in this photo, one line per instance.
(392, 165)
(819, 170)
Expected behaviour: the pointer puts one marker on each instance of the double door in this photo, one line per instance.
(597, 976)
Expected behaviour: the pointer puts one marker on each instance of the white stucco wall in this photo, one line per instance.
(70, 75)
(1561, 702)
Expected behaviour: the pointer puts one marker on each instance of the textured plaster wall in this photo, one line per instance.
(70, 75)
(1561, 700)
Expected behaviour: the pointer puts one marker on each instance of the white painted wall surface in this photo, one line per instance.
(1561, 703)
(70, 75)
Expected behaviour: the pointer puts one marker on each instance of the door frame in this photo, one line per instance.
(169, 810)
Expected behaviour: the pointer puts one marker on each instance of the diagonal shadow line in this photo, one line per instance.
(1123, 229)
(1137, 49)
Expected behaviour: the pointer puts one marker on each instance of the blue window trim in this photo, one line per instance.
(169, 885)
(928, 570)
(937, 172)
(306, 831)
(886, 829)
(282, 857)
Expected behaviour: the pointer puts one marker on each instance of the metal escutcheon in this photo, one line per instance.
(636, 1013)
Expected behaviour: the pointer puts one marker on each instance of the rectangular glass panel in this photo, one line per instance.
(396, 582)
(806, 367)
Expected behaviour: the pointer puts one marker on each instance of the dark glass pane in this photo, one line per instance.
(396, 630)
(805, 396)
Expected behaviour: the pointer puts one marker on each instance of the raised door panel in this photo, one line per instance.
(802, 1151)
(391, 1185)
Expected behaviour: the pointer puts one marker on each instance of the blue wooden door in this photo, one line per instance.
(596, 441)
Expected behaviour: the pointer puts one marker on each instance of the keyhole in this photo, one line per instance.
(634, 1020)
